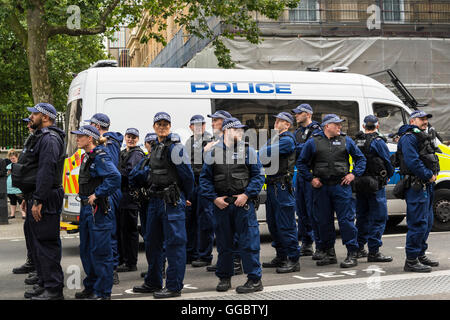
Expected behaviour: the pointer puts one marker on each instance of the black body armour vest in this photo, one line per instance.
(87, 183)
(196, 150)
(427, 153)
(231, 175)
(375, 165)
(124, 156)
(286, 166)
(331, 160)
(303, 137)
(163, 172)
(24, 172)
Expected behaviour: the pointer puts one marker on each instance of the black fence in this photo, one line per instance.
(14, 131)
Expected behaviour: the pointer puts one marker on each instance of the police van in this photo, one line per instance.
(132, 96)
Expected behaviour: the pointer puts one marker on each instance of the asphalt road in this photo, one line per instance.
(198, 282)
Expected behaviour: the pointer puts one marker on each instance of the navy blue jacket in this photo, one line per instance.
(127, 202)
(138, 176)
(409, 146)
(304, 164)
(284, 145)
(113, 145)
(302, 131)
(255, 185)
(379, 148)
(103, 166)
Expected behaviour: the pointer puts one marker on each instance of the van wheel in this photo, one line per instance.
(441, 209)
(394, 220)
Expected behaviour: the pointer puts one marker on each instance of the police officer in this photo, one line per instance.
(199, 216)
(420, 165)
(98, 179)
(308, 230)
(38, 174)
(172, 188)
(114, 142)
(231, 178)
(129, 206)
(278, 156)
(327, 156)
(371, 203)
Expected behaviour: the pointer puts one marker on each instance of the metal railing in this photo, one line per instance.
(13, 131)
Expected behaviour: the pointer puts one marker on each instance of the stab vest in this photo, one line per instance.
(375, 165)
(231, 175)
(124, 156)
(196, 150)
(286, 165)
(24, 172)
(163, 172)
(86, 182)
(331, 160)
(303, 137)
(427, 153)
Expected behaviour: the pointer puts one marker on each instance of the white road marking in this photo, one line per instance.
(188, 286)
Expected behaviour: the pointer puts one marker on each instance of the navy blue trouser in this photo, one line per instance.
(419, 217)
(205, 222)
(371, 217)
(27, 234)
(46, 241)
(166, 225)
(150, 204)
(328, 199)
(96, 250)
(114, 201)
(308, 230)
(241, 221)
(280, 216)
(192, 228)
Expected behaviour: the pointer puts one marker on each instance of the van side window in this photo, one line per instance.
(258, 113)
(390, 118)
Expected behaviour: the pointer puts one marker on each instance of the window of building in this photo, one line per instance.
(258, 114)
(393, 10)
(390, 118)
(307, 10)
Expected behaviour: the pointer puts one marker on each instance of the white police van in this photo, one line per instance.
(132, 96)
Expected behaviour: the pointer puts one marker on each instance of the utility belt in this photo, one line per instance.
(285, 180)
(170, 195)
(409, 181)
(368, 183)
(101, 204)
(332, 180)
(140, 194)
(232, 200)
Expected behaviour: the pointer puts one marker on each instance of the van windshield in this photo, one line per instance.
(73, 116)
(258, 113)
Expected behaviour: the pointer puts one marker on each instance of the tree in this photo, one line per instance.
(35, 22)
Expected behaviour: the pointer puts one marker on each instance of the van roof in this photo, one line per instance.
(144, 80)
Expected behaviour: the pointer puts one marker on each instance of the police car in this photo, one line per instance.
(132, 96)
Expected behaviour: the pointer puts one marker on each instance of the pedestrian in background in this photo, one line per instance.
(14, 194)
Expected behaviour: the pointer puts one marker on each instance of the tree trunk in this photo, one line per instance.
(37, 55)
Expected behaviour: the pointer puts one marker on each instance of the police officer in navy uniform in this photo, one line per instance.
(231, 178)
(98, 179)
(420, 166)
(199, 216)
(172, 188)
(114, 142)
(327, 156)
(371, 203)
(308, 231)
(38, 174)
(278, 157)
(129, 206)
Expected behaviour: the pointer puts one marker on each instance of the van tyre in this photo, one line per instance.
(441, 210)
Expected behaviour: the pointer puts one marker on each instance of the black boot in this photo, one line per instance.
(250, 286)
(49, 295)
(166, 293)
(200, 263)
(31, 280)
(224, 285)
(350, 261)
(378, 257)
(289, 266)
(415, 266)
(362, 253)
(237, 267)
(211, 268)
(145, 288)
(306, 250)
(319, 254)
(274, 263)
(428, 262)
(329, 258)
(37, 290)
(125, 268)
(83, 294)
(27, 267)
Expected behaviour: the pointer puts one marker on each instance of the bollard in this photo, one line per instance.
(3, 193)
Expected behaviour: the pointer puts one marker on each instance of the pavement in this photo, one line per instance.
(367, 281)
